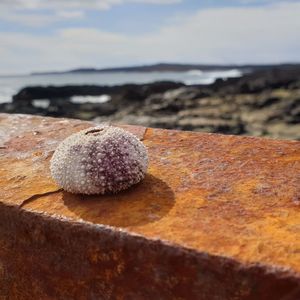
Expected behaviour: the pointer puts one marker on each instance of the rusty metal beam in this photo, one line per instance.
(217, 217)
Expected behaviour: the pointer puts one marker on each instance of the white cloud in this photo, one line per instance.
(87, 4)
(30, 12)
(70, 14)
(223, 35)
(38, 20)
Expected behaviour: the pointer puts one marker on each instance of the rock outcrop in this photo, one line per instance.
(262, 103)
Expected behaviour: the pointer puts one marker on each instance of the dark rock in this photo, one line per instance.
(259, 81)
(262, 103)
(135, 91)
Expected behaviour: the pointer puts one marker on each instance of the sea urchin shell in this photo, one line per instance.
(99, 160)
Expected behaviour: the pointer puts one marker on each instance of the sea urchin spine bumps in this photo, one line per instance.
(99, 160)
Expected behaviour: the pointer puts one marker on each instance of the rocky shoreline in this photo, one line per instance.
(262, 103)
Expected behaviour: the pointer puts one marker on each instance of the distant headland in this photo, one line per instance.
(171, 67)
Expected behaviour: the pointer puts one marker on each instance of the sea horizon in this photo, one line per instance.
(10, 85)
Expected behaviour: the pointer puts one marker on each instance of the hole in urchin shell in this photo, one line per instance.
(94, 131)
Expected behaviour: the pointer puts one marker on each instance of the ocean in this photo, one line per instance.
(10, 85)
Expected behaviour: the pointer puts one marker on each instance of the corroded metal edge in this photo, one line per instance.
(68, 259)
(47, 256)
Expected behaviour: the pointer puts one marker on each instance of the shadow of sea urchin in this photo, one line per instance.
(99, 160)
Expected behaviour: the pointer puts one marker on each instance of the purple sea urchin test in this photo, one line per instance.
(99, 160)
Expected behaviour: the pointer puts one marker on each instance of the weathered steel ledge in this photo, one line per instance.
(217, 217)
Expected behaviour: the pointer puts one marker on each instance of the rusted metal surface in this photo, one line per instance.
(217, 217)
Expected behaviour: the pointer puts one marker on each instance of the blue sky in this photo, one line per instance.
(37, 35)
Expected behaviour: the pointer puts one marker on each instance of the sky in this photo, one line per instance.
(44, 35)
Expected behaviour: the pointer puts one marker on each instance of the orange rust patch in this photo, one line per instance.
(224, 195)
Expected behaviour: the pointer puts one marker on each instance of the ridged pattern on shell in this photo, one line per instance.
(99, 160)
